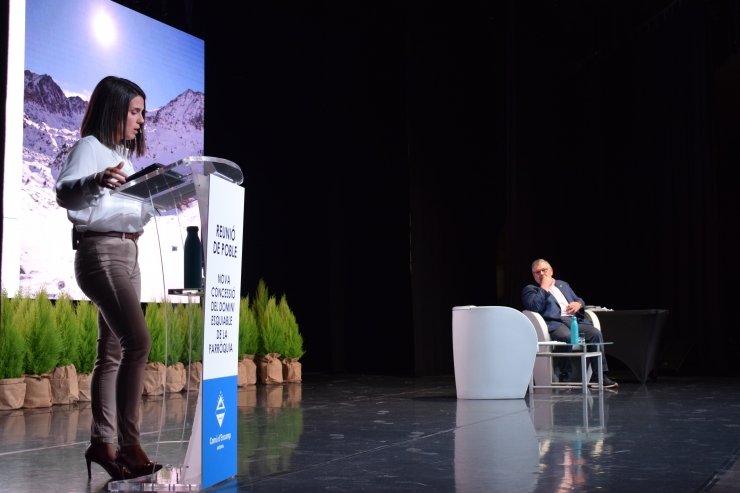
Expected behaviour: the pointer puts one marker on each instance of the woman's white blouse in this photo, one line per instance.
(89, 207)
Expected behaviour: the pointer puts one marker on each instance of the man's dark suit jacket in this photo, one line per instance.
(538, 300)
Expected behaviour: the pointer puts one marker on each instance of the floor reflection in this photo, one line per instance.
(567, 414)
(12, 428)
(360, 433)
(25, 429)
(554, 441)
(572, 432)
(496, 447)
(270, 428)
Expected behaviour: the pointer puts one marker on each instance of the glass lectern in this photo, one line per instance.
(189, 463)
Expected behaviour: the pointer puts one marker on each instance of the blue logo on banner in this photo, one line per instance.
(219, 429)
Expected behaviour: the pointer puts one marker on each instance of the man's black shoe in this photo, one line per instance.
(564, 377)
(608, 382)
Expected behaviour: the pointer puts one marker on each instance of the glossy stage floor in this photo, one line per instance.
(355, 433)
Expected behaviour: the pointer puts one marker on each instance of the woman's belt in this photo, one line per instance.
(112, 234)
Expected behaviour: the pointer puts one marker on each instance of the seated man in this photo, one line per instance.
(558, 304)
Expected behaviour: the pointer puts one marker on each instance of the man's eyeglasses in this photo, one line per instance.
(541, 272)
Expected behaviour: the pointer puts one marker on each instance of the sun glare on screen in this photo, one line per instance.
(104, 29)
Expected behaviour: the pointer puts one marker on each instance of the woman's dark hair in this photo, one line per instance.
(107, 112)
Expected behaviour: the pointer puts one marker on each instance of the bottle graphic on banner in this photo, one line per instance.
(193, 260)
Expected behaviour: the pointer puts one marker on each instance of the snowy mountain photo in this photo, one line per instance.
(51, 123)
(60, 50)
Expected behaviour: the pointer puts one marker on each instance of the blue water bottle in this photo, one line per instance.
(193, 260)
(574, 330)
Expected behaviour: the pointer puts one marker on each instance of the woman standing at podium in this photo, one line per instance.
(105, 233)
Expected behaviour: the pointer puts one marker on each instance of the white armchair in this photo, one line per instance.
(494, 349)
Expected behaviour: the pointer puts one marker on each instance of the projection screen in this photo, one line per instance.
(58, 50)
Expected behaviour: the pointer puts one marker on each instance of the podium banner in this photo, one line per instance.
(222, 243)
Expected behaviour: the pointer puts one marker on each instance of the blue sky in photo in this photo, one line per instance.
(78, 42)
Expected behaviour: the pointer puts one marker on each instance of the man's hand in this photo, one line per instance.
(547, 282)
(111, 178)
(572, 308)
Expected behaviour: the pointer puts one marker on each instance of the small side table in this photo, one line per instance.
(583, 354)
(636, 335)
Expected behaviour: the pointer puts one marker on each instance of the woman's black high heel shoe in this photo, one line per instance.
(133, 458)
(103, 454)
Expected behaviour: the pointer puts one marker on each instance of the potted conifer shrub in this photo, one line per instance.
(44, 345)
(248, 343)
(272, 341)
(154, 371)
(175, 373)
(293, 346)
(261, 298)
(87, 325)
(64, 386)
(12, 357)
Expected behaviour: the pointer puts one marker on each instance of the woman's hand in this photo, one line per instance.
(184, 204)
(111, 178)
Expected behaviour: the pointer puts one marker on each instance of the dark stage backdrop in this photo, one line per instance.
(371, 134)
(456, 63)
(402, 158)
(310, 97)
(614, 179)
